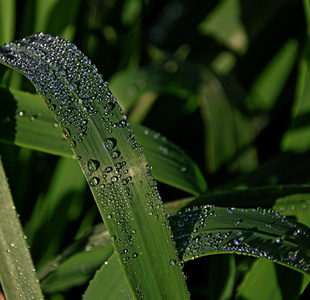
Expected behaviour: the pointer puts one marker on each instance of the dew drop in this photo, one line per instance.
(52, 107)
(292, 255)
(21, 113)
(134, 255)
(112, 238)
(93, 165)
(109, 144)
(237, 241)
(172, 262)
(114, 179)
(230, 210)
(122, 124)
(108, 169)
(238, 222)
(66, 132)
(72, 144)
(115, 154)
(109, 106)
(94, 181)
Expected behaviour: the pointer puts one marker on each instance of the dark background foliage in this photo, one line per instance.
(227, 81)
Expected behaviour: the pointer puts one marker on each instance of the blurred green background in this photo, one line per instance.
(227, 81)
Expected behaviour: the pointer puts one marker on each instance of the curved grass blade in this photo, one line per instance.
(257, 232)
(17, 276)
(218, 230)
(290, 200)
(113, 162)
(27, 123)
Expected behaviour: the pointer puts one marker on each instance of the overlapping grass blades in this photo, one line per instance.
(113, 162)
(209, 230)
(29, 124)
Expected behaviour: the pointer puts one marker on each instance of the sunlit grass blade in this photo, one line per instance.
(17, 276)
(28, 123)
(113, 162)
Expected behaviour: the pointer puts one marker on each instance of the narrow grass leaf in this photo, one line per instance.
(113, 162)
(57, 211)
(28, 123)
(77, 270)
(17, 276)
(255, 232)
(290, 200)
(105, 286)
(94, 238)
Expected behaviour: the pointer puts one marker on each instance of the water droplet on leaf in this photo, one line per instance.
(93, 165)
(109, 144)
(94, 181)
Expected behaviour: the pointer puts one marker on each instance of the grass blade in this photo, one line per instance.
(113, 163)
(255, 232)
(115, 286)
(17, 276)
(76, 270)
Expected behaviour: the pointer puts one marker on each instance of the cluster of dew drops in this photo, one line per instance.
(73, 89)
(194, 237)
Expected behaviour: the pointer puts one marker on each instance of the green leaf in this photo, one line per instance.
(17, 276)
(107, 286)
(113, 163)
(290, 200)
(77, 270)
(58, 211)
(256, 232)
(171, 165)
(28, 123)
